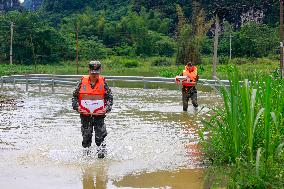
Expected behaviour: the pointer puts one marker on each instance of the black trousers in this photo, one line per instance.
(90, 124)
(189, 92)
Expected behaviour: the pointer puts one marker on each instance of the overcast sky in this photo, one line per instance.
(22, 1)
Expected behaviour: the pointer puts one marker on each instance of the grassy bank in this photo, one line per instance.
(247, 133)
(153, 66)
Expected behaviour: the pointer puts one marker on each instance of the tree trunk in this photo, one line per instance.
(216, 40)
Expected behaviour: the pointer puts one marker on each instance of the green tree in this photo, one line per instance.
(187, 47)
(190, 36)
(224, 46)
(92, 49)
(255, 40)
(33, 38)
(64, 6)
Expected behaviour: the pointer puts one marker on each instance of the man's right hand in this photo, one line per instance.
(82, 111)
(177, 81)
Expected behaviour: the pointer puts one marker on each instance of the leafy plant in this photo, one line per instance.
(161, 62)
(248, 128)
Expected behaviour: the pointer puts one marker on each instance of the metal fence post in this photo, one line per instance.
(2, 83)
(27, 84)
(14, 82)
(144, 83)
(39, 86)
(52, 86)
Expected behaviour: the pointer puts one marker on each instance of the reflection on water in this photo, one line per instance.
(94, 177)
(149, 137)
(164, 179)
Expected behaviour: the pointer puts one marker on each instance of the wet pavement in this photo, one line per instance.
(151, 143)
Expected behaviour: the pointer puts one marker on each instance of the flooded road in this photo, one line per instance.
(151, 143)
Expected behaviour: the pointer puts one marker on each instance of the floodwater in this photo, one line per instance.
(151, 143)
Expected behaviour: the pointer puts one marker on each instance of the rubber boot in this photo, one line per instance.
(101, 151)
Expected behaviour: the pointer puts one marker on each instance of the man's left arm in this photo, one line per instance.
(108, 98)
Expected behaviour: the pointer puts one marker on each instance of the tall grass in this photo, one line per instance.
(249, 127)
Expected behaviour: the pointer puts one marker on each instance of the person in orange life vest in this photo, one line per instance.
(188, 86)
(93, 99)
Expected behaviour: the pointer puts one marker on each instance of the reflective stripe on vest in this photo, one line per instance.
(90, 99)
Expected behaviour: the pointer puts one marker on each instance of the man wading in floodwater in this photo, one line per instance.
(93, 99)
(189, 79)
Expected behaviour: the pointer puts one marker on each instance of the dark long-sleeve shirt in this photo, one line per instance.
(108, 96)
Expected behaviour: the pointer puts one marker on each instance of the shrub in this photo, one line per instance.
(255, 40)
(165, 47)
(161, 62)
(92, 49)
(170, 73)
(239, 61)
(121, 62)
(130, 63)
(224, 60)
(124, 50)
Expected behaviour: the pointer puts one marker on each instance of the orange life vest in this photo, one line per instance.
(191, 74)
(90, 99)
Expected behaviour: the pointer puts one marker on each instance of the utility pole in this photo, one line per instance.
(77, 49)
(11, 43)
(281, 40)
(216, 39)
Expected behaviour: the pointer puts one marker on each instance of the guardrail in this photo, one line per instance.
(71, 80)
